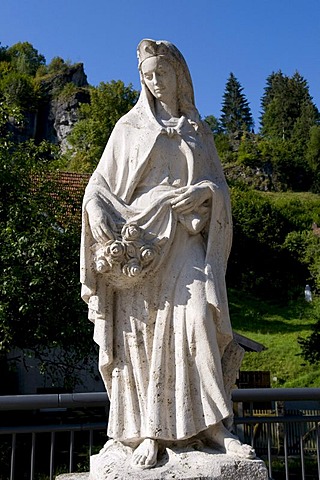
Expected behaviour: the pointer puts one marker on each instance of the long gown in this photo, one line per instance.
(162, 339)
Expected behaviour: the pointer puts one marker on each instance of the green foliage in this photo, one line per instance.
(68, 91)
(290, 169)
(28, 83)
(287, 145)
(57, 65)
(310, 346)
(18, 67)
(41, 307)
(278, 327)
(284, 102)
(274, 253)
(306, 247)
(301, 209)
(8, 113)
(25, 58)
(214, 124)
(224, 148)
(19, 89)
(236, 114)
(313, 151)
(109, 102)
(284, 159)
(262, 260)
(249, 152)
(313, 156)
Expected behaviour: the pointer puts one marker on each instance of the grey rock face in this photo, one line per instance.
(57, 113)
(64, 115)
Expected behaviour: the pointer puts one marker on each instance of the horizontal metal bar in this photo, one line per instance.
(269, 394)
(278, 419)
(103, 425)
(100, 399)
(53, 428)
(64, 400)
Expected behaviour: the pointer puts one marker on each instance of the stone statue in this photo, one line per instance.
(155, 242)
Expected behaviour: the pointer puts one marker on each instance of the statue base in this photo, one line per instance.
(114, 463)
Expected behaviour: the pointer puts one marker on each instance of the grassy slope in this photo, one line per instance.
(302, 208)
(277, 328)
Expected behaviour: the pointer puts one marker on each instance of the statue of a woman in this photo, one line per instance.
(155, 243)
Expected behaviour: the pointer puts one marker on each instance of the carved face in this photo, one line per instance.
(160, 78)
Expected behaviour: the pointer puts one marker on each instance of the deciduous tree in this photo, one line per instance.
(25, 58)
(109, 102)
(41, 311)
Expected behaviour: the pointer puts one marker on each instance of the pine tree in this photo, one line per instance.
(287, 103)
(236, 115)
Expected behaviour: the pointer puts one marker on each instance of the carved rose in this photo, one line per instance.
(132, 268)
(102, 265)
(131, 232)
(129, 255)
(147, 255)
(116, 250)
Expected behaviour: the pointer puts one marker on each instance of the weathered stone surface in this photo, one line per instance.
(64, 114)
(55, 116)
(155, 243)
(175, 464)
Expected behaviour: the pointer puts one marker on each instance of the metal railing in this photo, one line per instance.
(289, 440)
(262, 415)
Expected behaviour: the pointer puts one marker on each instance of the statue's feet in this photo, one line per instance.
(231, 444)
(145, 455)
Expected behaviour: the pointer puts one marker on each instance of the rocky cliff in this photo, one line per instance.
(61, 94)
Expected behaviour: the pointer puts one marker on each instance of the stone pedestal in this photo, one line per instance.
(174, 463)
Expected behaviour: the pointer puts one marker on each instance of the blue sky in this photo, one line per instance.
(250, 38)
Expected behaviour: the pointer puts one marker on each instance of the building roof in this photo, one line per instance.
(248, 344)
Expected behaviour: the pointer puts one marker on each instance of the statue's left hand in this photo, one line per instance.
(191, 199)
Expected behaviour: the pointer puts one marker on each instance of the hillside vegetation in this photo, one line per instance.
(52, 120)
(278, 328)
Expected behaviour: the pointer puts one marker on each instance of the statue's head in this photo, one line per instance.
(161, 52)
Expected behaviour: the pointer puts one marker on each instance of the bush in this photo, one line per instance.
(39, 260)
(306, 248)
(57, 65)
(310, 346)
(68, 91)
(259, 260)
(19, 90)
(25, 58)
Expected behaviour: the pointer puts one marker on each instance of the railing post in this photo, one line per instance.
(281, 433)
(13, 455)
(318, 446)
(285, 445)
(71, 449)
(90, 442)
(302, 453)
(52, 454)
(269, 449)
(33, 454)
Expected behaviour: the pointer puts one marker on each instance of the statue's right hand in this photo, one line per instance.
(99, 222)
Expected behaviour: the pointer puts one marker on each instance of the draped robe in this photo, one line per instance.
(161, 340)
